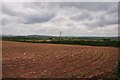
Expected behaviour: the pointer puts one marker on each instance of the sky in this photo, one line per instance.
(49, 18)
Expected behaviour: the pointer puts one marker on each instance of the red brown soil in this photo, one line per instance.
(37, 60)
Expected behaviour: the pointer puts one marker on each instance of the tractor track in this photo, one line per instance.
(33, 60)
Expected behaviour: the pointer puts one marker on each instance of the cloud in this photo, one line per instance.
(38, 18)
(72, 18)
(82, 16)
(90, 6)
(103, 20)
(27, 14)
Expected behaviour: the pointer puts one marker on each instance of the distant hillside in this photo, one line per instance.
(63, 37)
(40, 36)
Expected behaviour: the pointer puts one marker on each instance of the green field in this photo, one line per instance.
(93, 41)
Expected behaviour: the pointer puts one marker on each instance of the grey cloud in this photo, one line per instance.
(58, 16)
(38, 19)
(28, 18)
(82, 16)
(8, 11)
(4, 22)
(92, 6)
(103, 21)
(51, 5)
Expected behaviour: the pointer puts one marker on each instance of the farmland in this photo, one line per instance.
(33, 60)
(92, 41)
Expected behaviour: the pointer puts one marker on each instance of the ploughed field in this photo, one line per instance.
(38, 60)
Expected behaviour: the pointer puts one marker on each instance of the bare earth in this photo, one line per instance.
(33, 60)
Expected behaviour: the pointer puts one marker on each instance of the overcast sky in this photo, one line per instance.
(49, 18)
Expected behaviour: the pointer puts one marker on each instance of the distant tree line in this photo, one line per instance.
(65, 40)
